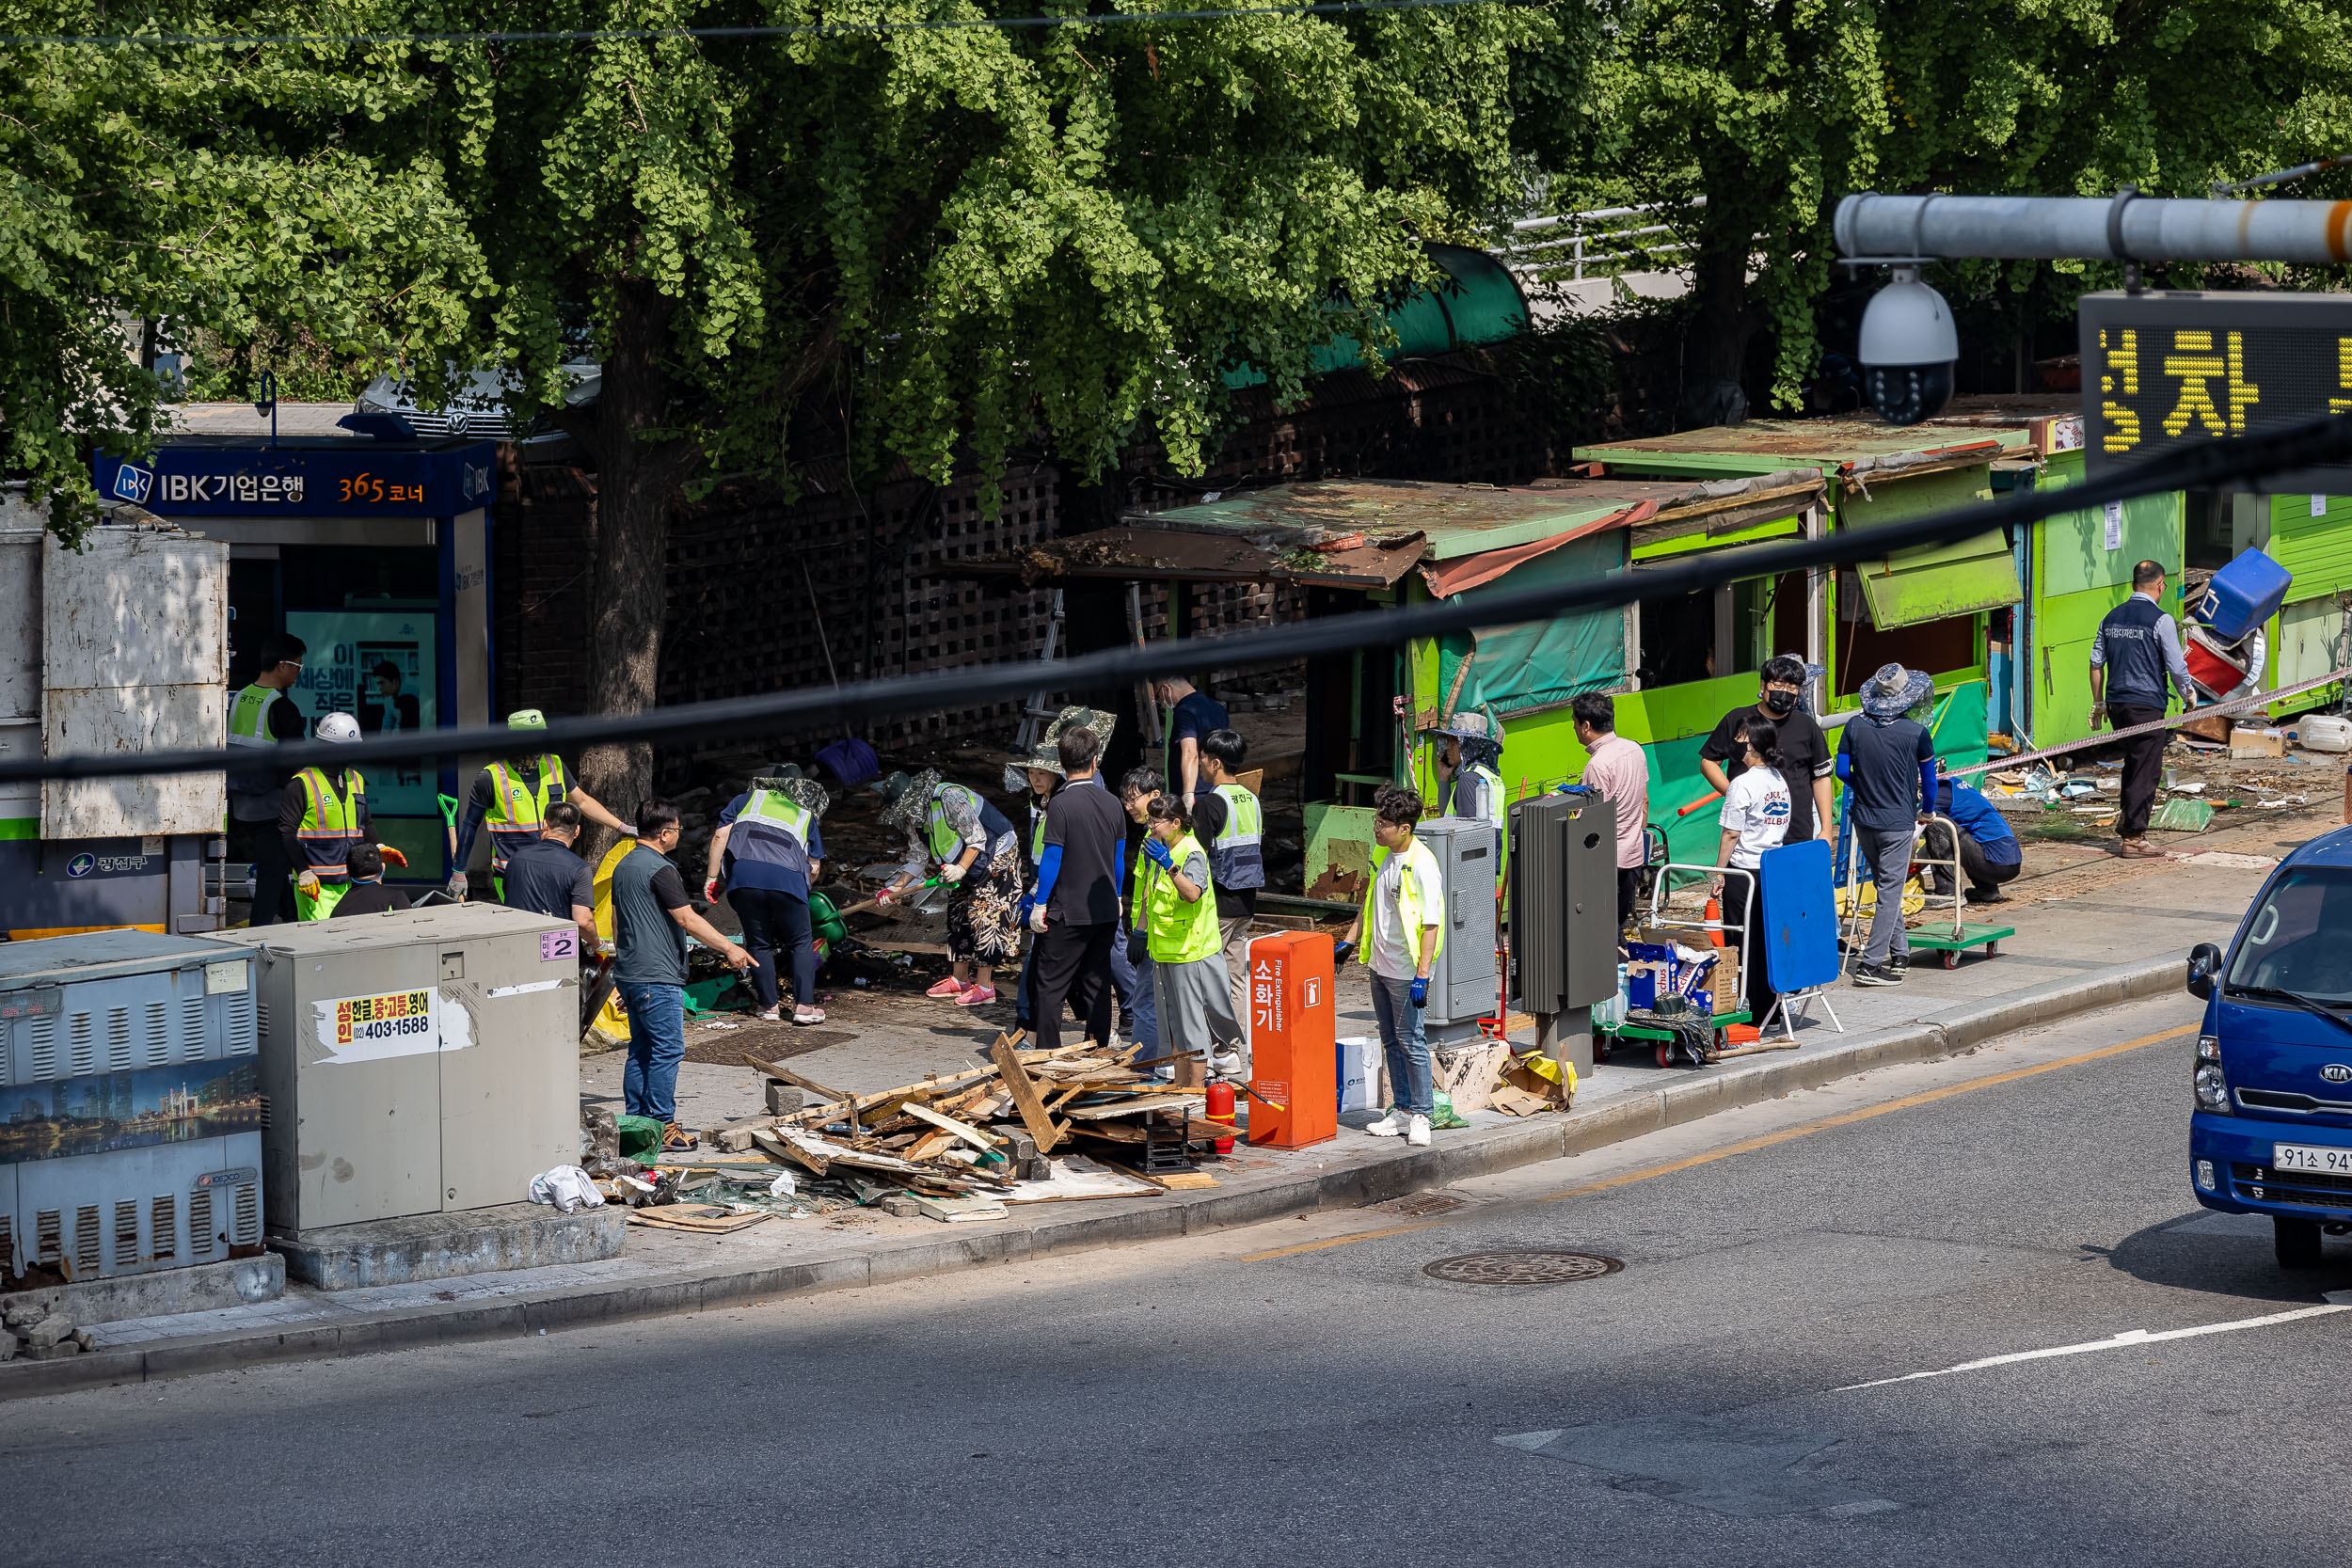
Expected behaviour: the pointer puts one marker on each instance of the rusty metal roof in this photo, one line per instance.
(1762, 446)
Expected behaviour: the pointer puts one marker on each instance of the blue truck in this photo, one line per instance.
(2271, 1131)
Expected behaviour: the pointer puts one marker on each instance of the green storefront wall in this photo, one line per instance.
(2312, 634)
(2077, 581)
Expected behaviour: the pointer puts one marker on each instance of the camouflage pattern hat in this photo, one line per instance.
(1073, 716)
(905, 797)
(789, 782)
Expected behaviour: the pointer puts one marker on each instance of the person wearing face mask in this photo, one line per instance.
(1806, 760)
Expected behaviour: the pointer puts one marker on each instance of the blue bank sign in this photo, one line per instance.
(309, 482)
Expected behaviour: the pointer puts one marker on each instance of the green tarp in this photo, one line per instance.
(1537, 664)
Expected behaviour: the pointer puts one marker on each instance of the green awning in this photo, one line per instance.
(1536, 664)
(1932, 581)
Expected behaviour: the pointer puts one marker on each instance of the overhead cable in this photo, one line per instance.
(2210, 465)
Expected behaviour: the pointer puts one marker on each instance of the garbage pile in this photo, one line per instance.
(1030, 1127)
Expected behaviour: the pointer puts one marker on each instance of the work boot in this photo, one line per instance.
(1391, 1125)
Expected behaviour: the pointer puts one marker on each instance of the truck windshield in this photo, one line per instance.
(2300, 938)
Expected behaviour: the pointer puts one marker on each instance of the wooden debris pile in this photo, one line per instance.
(982, 1136)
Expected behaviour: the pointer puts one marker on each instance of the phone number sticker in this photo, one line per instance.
(369, 1028)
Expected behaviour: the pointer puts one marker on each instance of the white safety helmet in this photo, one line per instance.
(339, 727)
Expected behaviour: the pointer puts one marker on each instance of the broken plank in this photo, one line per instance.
(777, 1069)
(1136, 1106)
(694, 1216)
(1034, 1114)
(930, 1146)
(969, 1133)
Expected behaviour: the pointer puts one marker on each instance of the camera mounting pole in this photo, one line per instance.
(2128, 228)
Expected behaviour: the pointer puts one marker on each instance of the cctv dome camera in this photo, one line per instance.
(1908, 349)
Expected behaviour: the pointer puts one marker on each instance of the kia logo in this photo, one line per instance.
(2336, 1072)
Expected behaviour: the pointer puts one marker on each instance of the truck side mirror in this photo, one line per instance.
(2204, 962)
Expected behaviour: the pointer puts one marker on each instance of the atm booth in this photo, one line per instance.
(376, 554)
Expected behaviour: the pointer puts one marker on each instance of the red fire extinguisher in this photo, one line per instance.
(1221, 1110)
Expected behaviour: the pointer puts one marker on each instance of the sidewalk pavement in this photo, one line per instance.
(2091, 931)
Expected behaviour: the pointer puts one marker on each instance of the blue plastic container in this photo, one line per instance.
(2241, 595)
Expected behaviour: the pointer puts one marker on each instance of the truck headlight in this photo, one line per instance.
(2213, 1090)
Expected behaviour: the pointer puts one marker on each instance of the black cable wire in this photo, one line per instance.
(2209, 464)
(820, 29)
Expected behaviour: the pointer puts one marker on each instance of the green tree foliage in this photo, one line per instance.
(156, 194)
(1772, 112)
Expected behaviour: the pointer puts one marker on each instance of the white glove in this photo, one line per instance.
(951, 872)
(1037, 920)
(710, 890)
(457, 886)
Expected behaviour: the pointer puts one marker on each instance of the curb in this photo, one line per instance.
(1495, 1149)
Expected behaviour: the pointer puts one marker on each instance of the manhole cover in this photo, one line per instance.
(1522, 1268)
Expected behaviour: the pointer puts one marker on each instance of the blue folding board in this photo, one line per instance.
(1800, 938)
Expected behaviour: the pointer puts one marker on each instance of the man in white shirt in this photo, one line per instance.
(1401, 927)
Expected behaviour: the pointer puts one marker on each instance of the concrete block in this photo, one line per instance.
(445, 1246)
(49, 1331)
(783, 1099)
(58, 1351)
(158, 1293)
(85, 1338)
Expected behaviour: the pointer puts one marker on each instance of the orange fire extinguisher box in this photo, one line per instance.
(1294, 1049)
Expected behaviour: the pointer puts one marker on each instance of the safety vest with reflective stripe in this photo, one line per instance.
(941, 837)
(519, 811)
(1236, 858)
(1409, 910)
(773, 828)
(1179, 931)
(331, 822)
(1492, 807)
(248, 725)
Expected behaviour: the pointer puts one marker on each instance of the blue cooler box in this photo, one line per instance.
(2241, 595)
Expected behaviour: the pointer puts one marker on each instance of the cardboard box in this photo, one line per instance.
(1724, 982)
(2258, 743)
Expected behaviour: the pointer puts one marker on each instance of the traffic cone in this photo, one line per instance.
(1714, 915)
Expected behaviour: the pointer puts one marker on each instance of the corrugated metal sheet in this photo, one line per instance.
(1762, 445)
(135, 656)
(1927, 584)
(2316, 551)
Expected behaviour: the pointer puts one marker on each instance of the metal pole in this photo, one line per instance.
(2125, 227)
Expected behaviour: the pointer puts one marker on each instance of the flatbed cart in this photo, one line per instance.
(1660, 890)
(1951, 944)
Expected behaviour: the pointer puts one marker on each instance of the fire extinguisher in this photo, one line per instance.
(1221, 1110)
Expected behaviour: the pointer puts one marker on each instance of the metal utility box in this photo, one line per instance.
(130, 1105)
(416, 1062)
(1563, 902)
(1465, 986)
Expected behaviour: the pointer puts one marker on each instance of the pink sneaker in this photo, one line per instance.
(949, 990)
(978, 996)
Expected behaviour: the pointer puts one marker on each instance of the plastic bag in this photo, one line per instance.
(566, 1188)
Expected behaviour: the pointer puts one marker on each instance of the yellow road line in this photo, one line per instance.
(1746, 1146)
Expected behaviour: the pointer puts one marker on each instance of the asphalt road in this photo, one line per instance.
(1304, 1393)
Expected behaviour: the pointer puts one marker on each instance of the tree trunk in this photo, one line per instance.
(638, 482)
(1717, 354)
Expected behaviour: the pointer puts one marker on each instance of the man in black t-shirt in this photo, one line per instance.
(1723, 757)
(548, 877)
(1074, 908)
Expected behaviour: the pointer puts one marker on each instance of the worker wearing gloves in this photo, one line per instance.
(322, 815)
(263, 717)
(1191, 996)
(1230, 819)
(766, 855)
(1401, 924)
(966, 843)
(1135, 793)
(511, 797)
(1463, 755)
(2136, 653)
(1887, 760)
(1074, 908)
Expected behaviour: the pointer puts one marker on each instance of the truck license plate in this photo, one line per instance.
(2334, 1162)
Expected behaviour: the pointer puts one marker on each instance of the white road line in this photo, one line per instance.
(2339, 1301)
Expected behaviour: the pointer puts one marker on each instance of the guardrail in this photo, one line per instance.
(1598, 238)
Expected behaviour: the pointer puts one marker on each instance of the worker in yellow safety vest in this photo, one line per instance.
(511, 796)
(264, 717)
(1401, 927)
(1463, 757)
(324, 814)
(1193, 997)
(1231, 818)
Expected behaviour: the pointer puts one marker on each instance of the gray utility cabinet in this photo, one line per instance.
(1563, 902)
(417, 1061)
(1465, 985)
(130, 1105)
